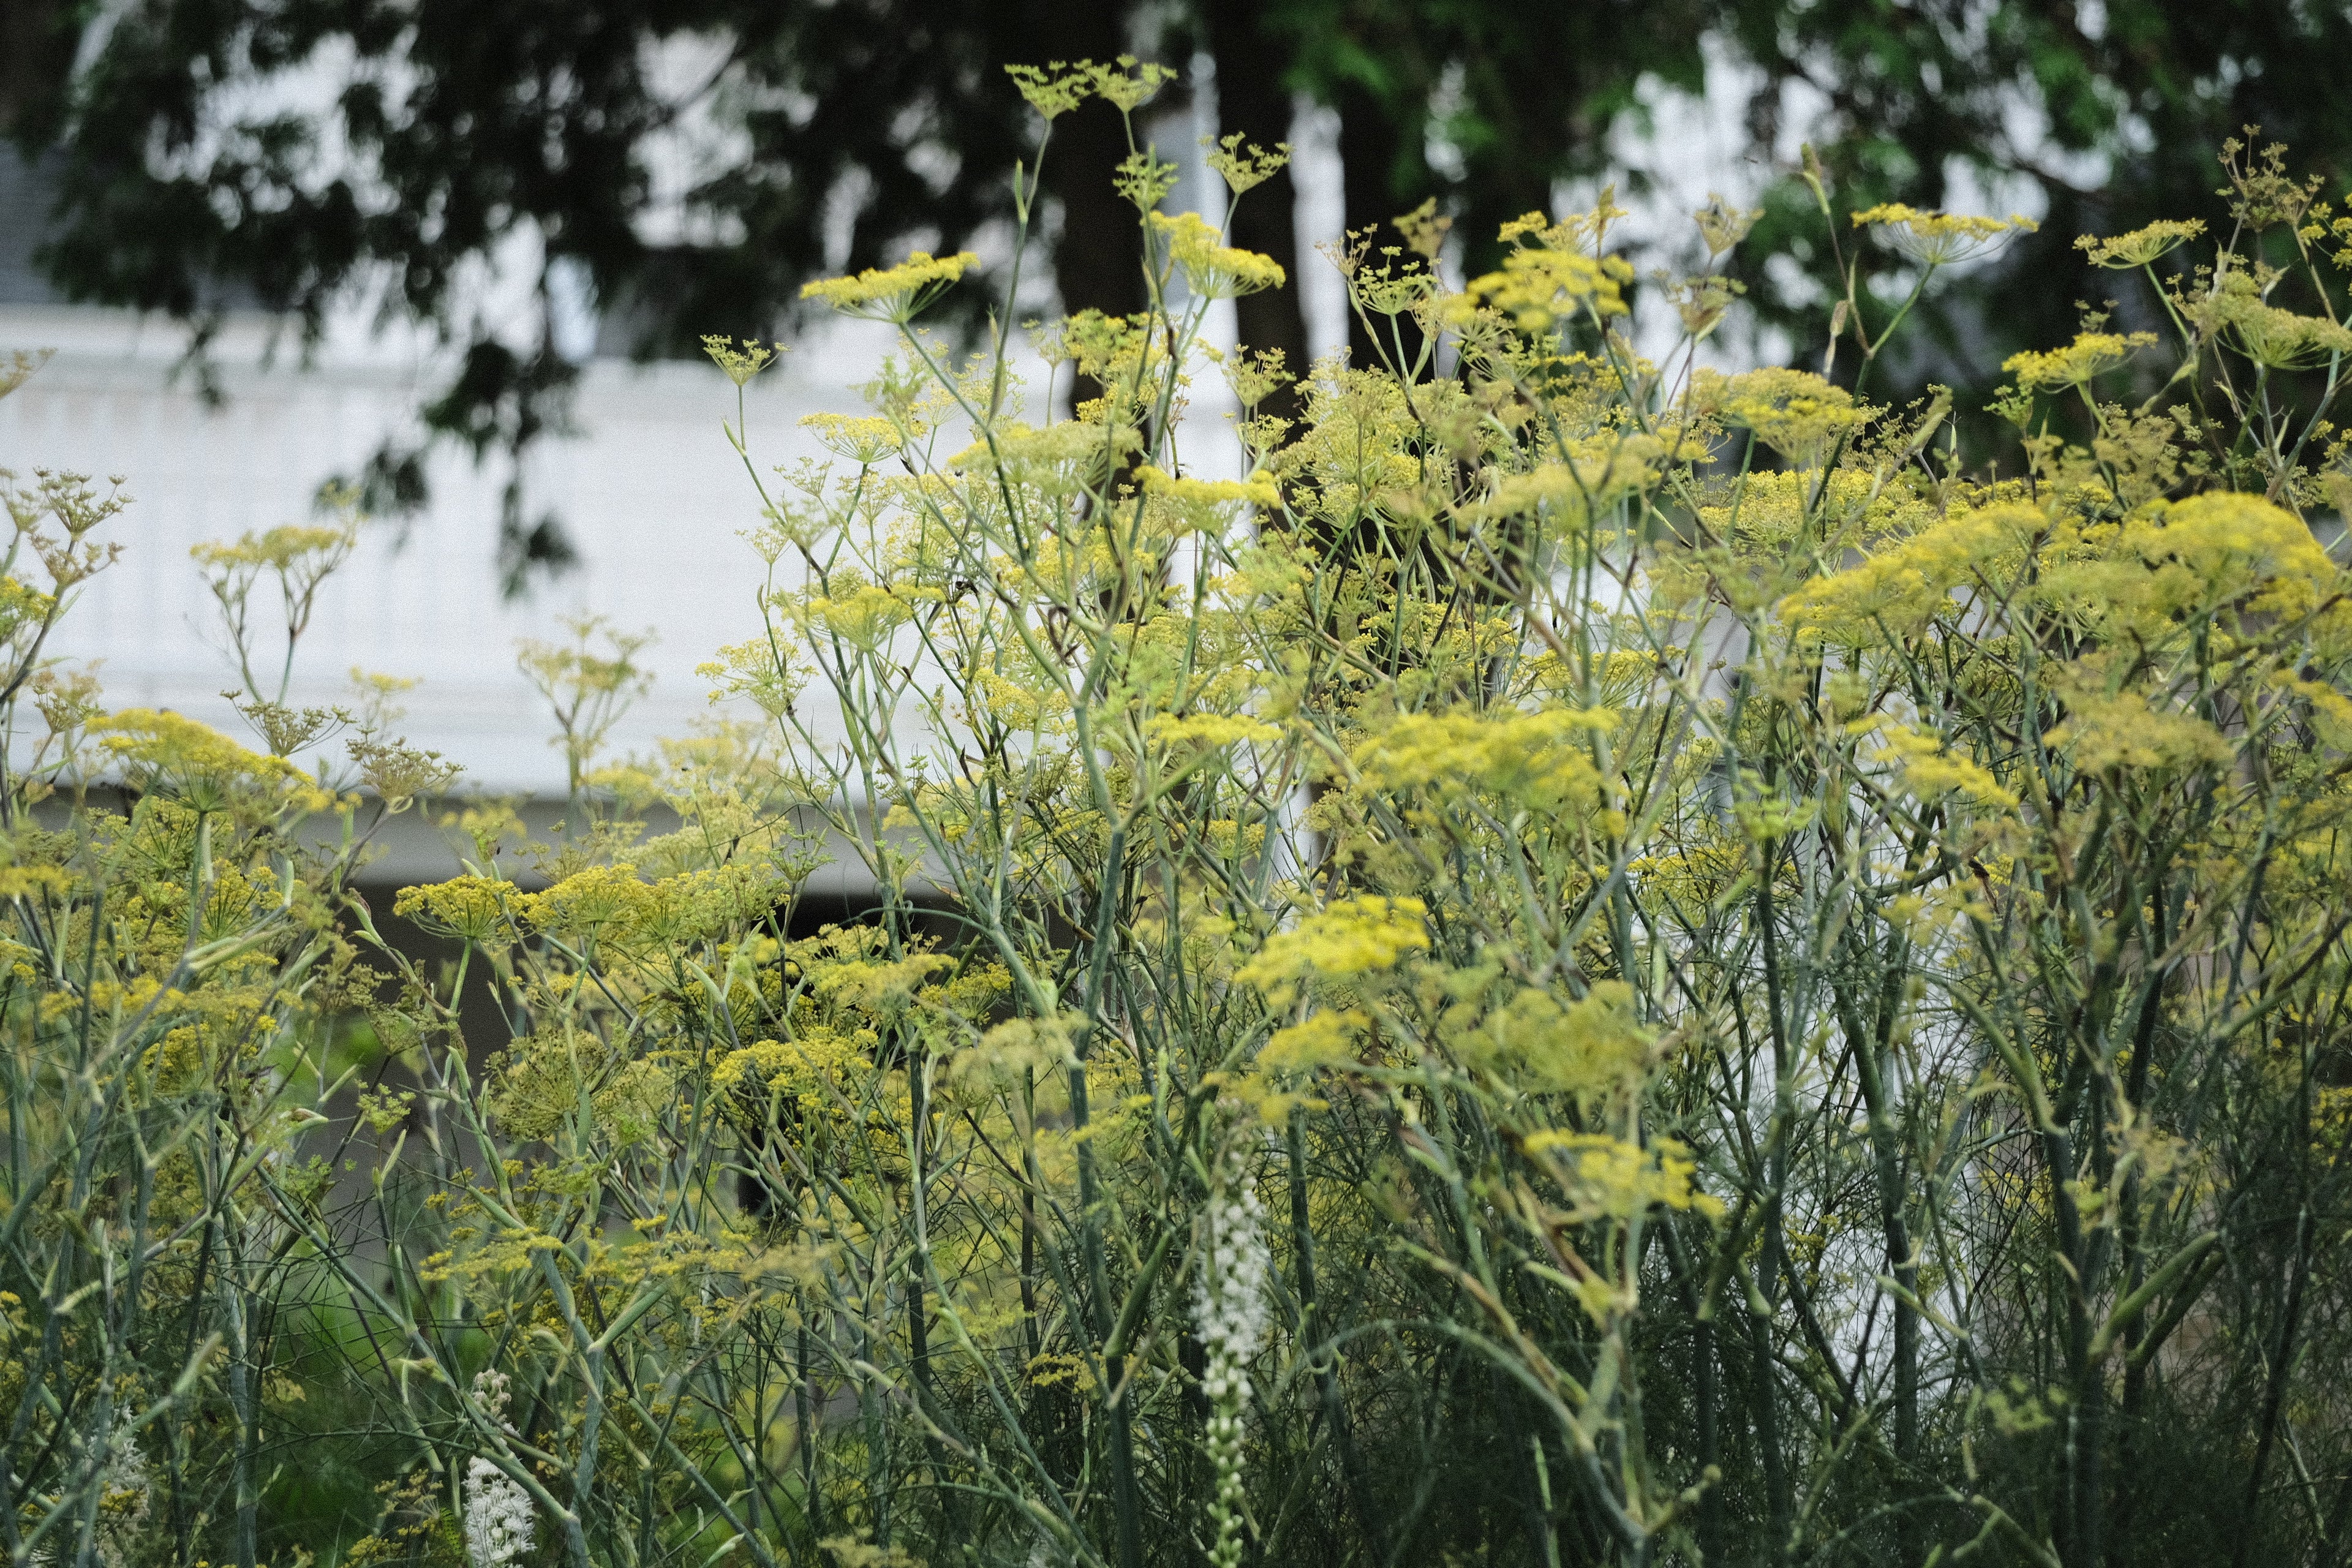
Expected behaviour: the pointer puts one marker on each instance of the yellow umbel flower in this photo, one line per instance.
(892, 293)
(740, 364)
(864, 439)
(2270, 337)
(288, 549)
(2141, 246)
(1258, 489)
(1245, 166)
(1793, 412)
(1537, 287)
(1351, 937)
(178, 756)
(1930, 769)
(1936, 238)
(1608, 1177)
(2090, 354)
(1213, 269)
(470, 908)
(1541, 761)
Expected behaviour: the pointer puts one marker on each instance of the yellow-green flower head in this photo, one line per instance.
(1127, 82)
(1927, 766)
(1939, 239)
(1597, 472)
(757, 668)
(22, 605)
(470, 908)
(1213, 269)
(1542, 761)
(1539, 286)
(2226, 548)
(1793, 412)
(1607, 1176)
(740, 364)
(864, 439)
(1723, 225)
(1055, 89)
(1351, 937)
(2090, 354)
(1245, 166)
(589, 900)
(892, 293)
(167, 752)
(280, 549)
(1064, 457)
(2141, 246)
(1899, 590)
(863, 615)
(1258, 489)
(2277, 339)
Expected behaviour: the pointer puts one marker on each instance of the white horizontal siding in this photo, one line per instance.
(651, 495)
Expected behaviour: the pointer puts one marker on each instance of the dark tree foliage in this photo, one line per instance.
(469, 125)
(1516, 97)
(2136, 94)
(448, 131)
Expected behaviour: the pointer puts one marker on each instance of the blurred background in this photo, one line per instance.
(460, 256)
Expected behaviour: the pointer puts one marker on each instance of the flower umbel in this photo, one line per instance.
(2091, 354)
(1939, 239)
(2141, 246)
(1213, 269)
(892, 293)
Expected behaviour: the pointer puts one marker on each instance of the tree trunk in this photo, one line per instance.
(1098, 252)
(1382, 174)
(1252, 100)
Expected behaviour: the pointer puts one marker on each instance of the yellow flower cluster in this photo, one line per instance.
(1347, 938)
(2090, 356)
(1609, 1177)
(1213, 269)
(892, 293)
(280, 549)
(1936, 238)
(1541, 760)
(174, 754)
(1537, 287)
(1928, 769)
(2272, 337)
(2141, 246)
(1258, 489)
(1899, 590)
(471, 908)
(1592, 1046)
(863, 614)
(2217, 549)
(610, 904)
(23, 605)
(2102, 734)
(1594, 473)
(1794, 413)
(1055, 89)
(864, 439)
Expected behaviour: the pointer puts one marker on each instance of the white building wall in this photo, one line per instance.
(651, 495)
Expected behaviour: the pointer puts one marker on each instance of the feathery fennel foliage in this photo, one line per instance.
(1726, 991)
